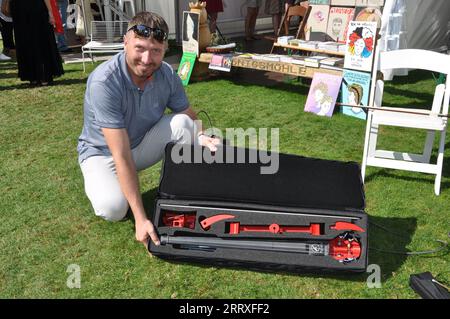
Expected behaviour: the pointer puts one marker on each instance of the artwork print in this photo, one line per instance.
(323, 94)
(360, 45)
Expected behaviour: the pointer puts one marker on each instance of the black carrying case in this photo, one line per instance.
(423, 284)
(302, 192)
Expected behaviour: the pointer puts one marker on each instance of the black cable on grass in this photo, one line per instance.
(443, 244)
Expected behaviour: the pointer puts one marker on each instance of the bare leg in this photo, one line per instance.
(213, 22)
(287, 6)
(276, 18)
(249, 28)
(253, 21)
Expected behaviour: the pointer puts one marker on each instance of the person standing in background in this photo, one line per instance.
(250, 19)
(62, 46)
(6, 29)
(38, 59)
(288, 4)
(275, 9)
(213, 7)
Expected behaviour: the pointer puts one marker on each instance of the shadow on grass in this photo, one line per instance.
(278, 81)
(414, 76)
(421, 100)
(8, 75)
(149, 202)
(57, 82)
(270, 81)
(392, 173)
(8, 65)
(388, 234)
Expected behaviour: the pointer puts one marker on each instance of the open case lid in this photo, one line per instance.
(298, 182)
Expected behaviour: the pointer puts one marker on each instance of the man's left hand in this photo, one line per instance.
(209, 142)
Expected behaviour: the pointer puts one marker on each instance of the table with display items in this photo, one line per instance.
(273, 66)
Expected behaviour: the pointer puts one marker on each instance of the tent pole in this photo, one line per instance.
(83, 11)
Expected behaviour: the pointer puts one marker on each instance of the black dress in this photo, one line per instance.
(37, 56)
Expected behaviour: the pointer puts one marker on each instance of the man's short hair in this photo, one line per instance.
(149, 19)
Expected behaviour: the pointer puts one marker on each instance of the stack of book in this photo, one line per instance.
(294, 59)
(304, 44)
(295, 42)
(332, 46)
(314, 61)
(284, 40)
(266, 57)
(332, 63)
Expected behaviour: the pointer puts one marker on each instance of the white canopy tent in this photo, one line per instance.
(415, 24)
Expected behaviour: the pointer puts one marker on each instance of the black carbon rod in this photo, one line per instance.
(318, 249)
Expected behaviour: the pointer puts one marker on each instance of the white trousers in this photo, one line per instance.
(100, 179)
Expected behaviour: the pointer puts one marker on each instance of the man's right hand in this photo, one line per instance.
(145, 231)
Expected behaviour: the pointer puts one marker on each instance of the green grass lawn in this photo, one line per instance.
(48, 224)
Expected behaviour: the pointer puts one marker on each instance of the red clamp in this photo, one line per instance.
(206, 223)
(346, 226)
(345, 248)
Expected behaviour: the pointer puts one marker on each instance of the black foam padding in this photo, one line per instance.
(299, 181)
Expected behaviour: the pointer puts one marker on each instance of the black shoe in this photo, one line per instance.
(48, 83)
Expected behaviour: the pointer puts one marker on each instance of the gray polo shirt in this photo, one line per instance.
(112, 100)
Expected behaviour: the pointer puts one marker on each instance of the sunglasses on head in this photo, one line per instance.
(147, 32)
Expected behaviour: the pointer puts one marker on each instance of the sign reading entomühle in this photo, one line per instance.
(270, 66)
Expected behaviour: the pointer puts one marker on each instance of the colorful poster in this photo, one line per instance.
(190, 32)
(360, 45)
(221, 62)
(323, 94)
(316, 27)
(338, 21)
(186, 66)
(355, 91)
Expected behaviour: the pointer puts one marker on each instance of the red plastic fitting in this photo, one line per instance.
(179, 220)
(206, 223)
(313, 229)
(346, 226)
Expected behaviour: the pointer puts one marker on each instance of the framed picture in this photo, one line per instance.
(191, 22)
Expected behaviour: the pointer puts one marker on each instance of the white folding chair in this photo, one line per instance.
(106, 37)
(432, 119)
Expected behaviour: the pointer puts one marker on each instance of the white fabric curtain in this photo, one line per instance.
(415, 24)
(393, 32)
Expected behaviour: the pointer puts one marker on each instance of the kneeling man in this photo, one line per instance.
(125, 129)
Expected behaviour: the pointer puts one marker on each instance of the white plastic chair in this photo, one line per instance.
(428, 119)
(106, 37)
